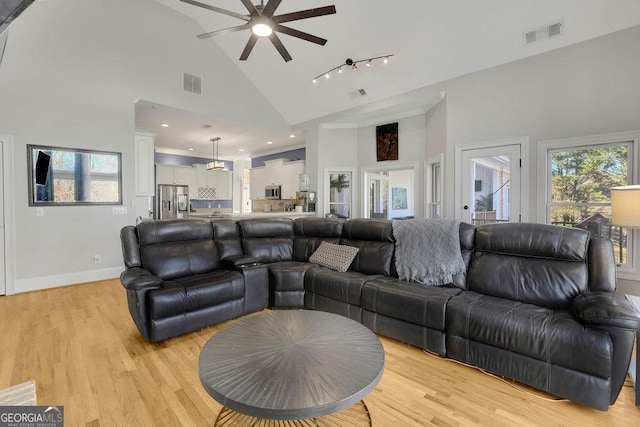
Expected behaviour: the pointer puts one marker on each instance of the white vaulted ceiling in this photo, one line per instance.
(433, 40)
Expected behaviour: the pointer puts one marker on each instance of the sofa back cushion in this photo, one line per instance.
(267, 239)
(226, 234)
(178, 248)
(531, 263)
(374, 238)
(311, 232)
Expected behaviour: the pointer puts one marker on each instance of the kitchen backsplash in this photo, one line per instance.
(282, 205)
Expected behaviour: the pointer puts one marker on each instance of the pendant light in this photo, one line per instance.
(215, 164)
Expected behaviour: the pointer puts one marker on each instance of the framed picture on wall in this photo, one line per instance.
(387, 142)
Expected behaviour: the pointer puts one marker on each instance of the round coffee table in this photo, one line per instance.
(291, 365)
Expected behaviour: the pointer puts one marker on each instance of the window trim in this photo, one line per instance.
(545, 148)
(327, 189)
(429, 166)
(98, 176)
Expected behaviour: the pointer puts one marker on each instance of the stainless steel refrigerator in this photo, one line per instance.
(173, 201)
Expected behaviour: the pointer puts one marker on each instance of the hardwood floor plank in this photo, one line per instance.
(82, 349)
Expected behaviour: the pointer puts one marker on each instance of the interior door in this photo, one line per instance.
(491, 185)
(3, 284)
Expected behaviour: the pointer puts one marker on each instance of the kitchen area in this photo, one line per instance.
(198, 188)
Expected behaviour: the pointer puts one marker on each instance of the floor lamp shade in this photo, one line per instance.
(625, 206)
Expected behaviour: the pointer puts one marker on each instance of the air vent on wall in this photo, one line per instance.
(192, 83)
(543, 33)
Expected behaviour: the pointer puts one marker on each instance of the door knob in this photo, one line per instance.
(465, 207)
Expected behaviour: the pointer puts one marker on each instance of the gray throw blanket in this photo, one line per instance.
(428, 250)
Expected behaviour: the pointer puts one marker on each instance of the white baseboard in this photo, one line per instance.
(47, 282)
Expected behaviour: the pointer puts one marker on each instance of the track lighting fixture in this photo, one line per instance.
(353, 65)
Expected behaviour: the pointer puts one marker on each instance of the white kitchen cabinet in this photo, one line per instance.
(274, 171)
(180, 175)
(223, 184)
(290, 178)
(258, 177)
(165, 174)
(144, 182)
(221, 180)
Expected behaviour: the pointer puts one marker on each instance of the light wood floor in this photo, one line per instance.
(80, 346)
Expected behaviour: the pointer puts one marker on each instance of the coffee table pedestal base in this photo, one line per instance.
(356, 415)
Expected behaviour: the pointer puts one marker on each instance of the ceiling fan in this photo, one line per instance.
(263, 23)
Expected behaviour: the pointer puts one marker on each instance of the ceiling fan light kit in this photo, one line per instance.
(353, 65)
(264, 24)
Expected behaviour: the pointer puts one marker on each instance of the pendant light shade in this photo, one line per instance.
(215, 164)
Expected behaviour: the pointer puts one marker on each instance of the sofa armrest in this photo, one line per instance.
(605, 309)
(235, 261)
(137, 278)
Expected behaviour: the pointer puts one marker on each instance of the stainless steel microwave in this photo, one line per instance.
(272, 192)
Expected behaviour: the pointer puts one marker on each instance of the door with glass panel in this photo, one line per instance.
(491, 185)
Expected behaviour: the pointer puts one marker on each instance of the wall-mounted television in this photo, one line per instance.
(10, 10)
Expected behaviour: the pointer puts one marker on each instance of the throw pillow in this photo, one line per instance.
(335, 257)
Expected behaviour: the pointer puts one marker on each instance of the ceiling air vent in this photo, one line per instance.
(357, 93)
(192, 83)
(543, 33)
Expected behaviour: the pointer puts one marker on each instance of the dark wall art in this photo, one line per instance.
(387, 142)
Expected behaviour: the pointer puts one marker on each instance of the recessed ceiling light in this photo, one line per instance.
(292, 136)
(269, 142)
(241, 149)
(205, 126)
(190, 149)
(164, 125)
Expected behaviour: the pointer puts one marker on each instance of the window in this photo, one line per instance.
(580, 174)
(433, 187)
(64, 176)
(340, 193)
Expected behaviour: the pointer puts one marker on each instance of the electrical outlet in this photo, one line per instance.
(97, 259)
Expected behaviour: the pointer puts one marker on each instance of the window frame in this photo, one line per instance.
(433, 187)
(93, 176)
(547, 148)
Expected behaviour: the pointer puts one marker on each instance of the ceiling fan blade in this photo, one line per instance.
(223, 31)
(270, 8)
(299, 34)
(249, 47)
(217, 9)
(278, 45)
(250, 7)
(304, 14)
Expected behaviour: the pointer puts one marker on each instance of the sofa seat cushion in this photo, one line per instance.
(192, 293)
(340, 286)
(408, 301)
(551, 336)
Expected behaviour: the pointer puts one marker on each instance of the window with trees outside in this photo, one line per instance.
(580, 194)
(69, 176)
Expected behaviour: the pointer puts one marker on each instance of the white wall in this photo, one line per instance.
(586, 89)
(335, 149)
(70, 75)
